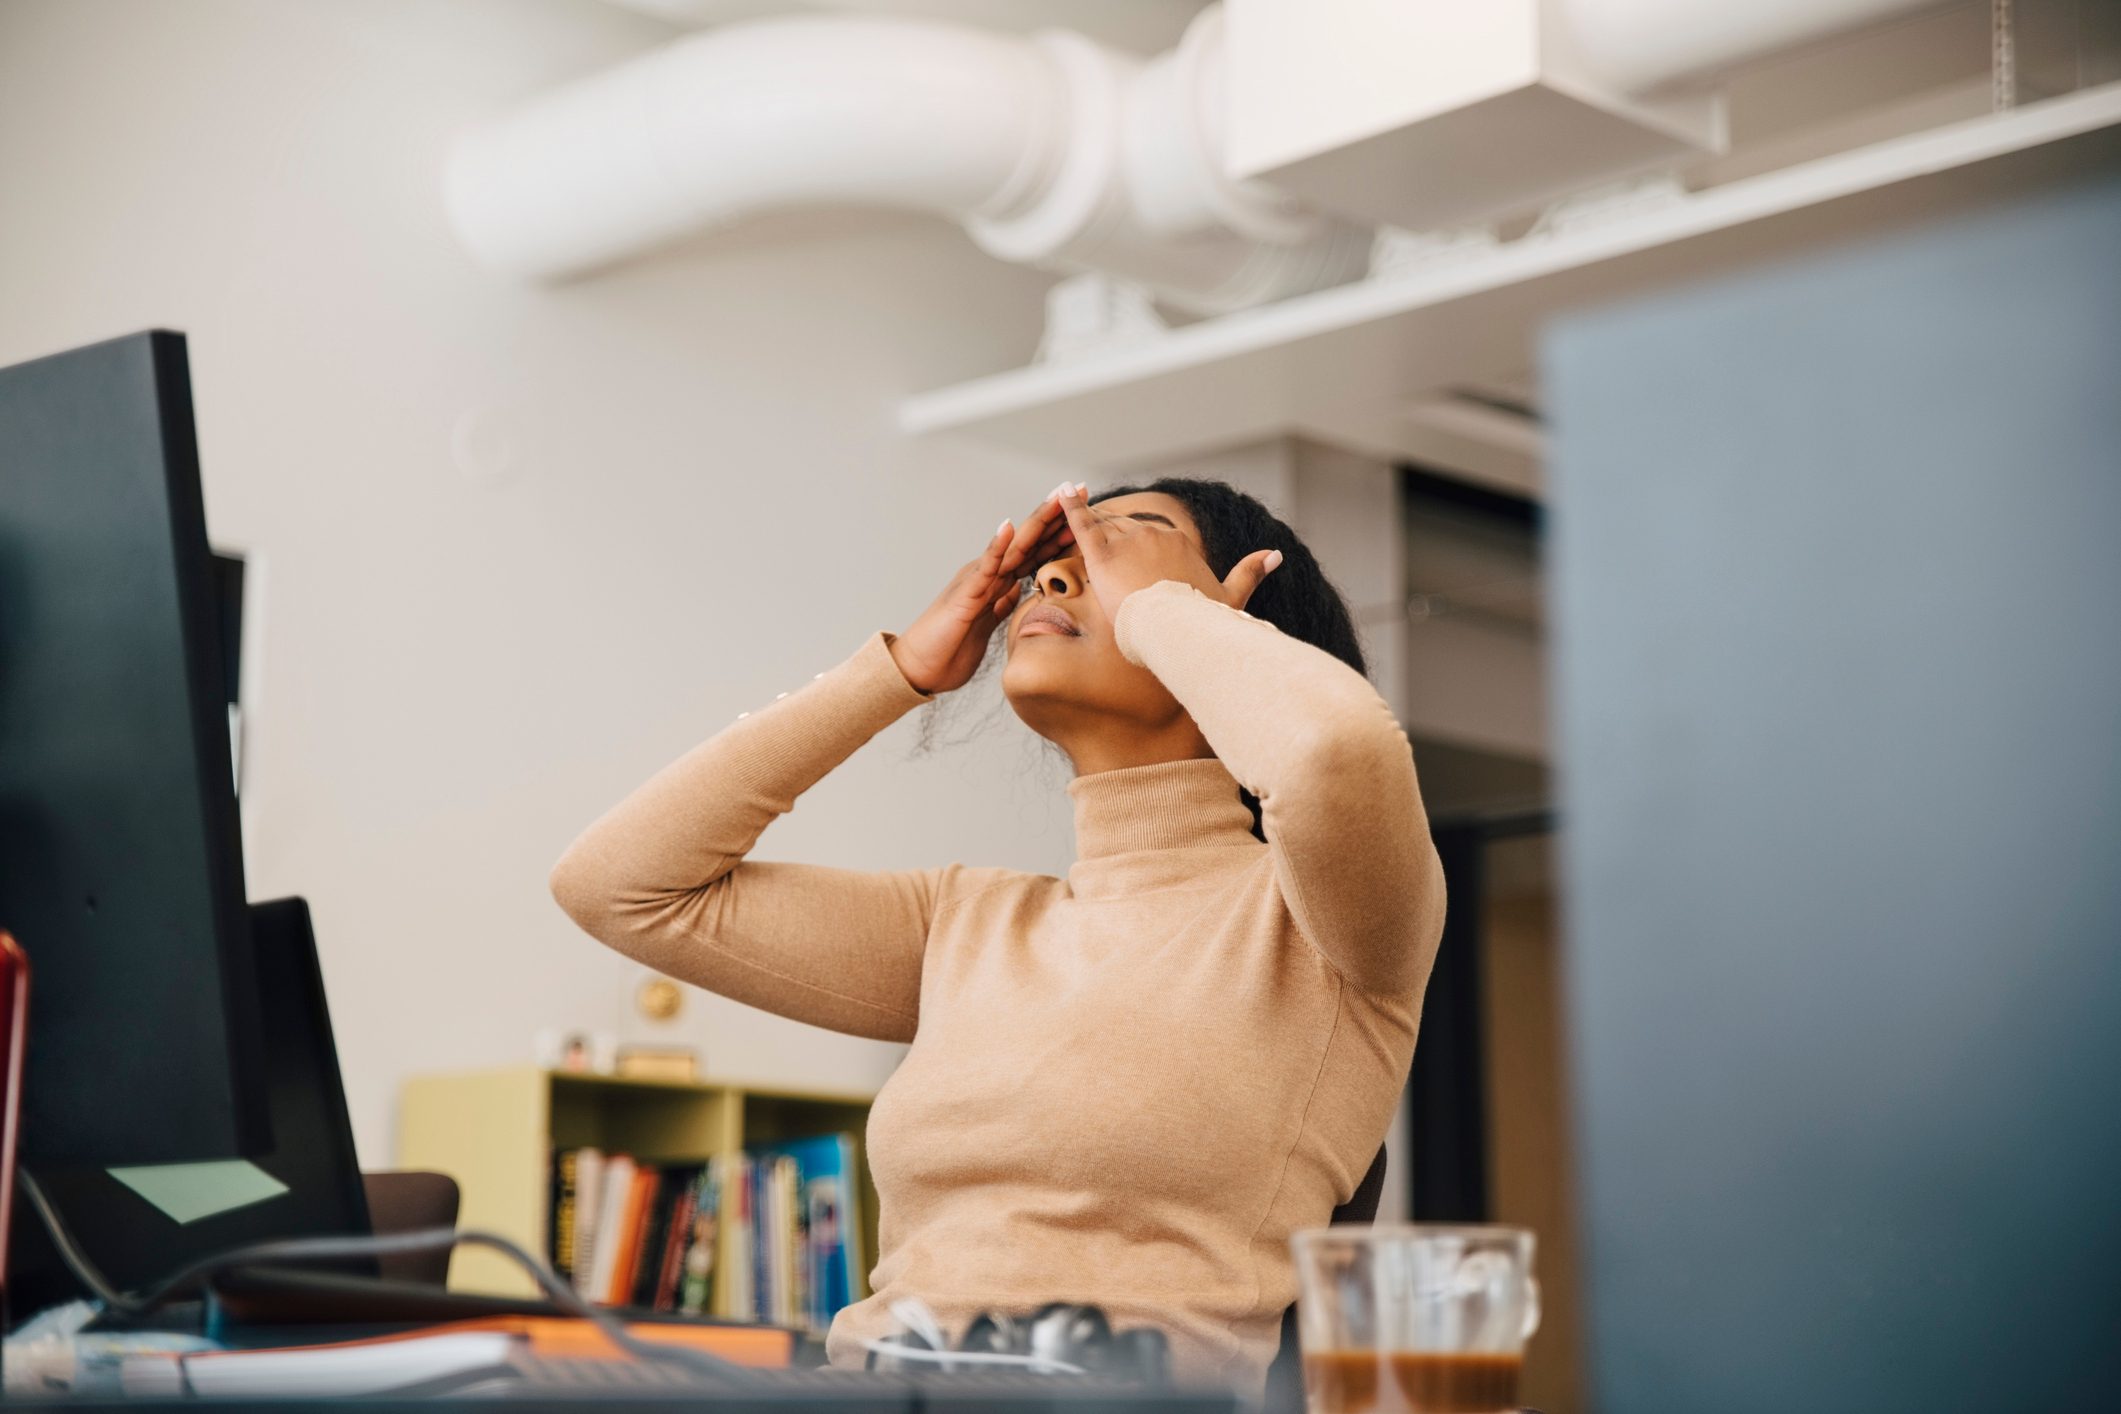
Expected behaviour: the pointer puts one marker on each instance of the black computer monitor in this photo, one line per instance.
(123, 875)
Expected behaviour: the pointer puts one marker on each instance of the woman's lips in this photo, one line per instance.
(1045, 619)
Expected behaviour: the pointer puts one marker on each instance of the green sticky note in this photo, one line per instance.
(189, 1192)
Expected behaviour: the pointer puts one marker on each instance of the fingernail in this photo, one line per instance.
(1003, 528)
(1273, 559)
(1082, 488)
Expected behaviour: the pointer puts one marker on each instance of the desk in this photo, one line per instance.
(856, 1394)
(519, 1379)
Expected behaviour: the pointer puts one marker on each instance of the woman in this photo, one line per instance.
(1127, 1086)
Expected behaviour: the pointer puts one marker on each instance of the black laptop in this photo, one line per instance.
(140, 1226)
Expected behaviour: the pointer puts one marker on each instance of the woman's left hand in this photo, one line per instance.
(1121, 554)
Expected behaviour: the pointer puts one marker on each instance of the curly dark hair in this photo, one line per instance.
(1296, 598)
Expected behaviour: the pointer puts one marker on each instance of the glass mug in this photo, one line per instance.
(1414, 1319)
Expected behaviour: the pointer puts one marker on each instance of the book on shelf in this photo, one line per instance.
(771, 1234)
(560, 1225)
(589, 1200)
(614, 1209)
(740, 1275)
(640, 1197)
(670, 1262)
(702, 1244)
(670, 1184)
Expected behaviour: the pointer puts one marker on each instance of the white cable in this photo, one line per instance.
(916, 1316)
(894, 1350)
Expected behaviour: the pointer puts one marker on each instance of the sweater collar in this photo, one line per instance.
(1169, 805)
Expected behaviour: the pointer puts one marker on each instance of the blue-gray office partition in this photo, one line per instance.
(1836, 587)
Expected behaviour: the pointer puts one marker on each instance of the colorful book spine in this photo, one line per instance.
(655, 1229)
(847, 1192)
(743, 1274)
(758, 1203)
(610, 1240)
(640, 1197)
(559, 1237)
(794, 1235)
(770, 1235)
(813, 1222)
(676, 1229)
(703, 1244)
(588, 1208)
(783, 1269)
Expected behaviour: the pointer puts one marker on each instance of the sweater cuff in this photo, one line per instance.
(804, 732)
(875, 675)
(865, 693)
(852, 702)
(1152, 603)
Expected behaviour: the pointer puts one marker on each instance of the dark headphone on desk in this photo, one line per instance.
(1059, 1333)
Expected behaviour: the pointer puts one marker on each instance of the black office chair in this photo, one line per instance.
(406, 1201)
(1285, 1377)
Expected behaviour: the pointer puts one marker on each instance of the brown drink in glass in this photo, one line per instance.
(1414, 1319)
(1348, 1382)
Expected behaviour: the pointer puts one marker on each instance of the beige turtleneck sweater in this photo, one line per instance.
(1125, 1086)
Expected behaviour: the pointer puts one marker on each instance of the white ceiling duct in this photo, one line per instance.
(1642, 45)
(1052, 150)
(1058, 151)
(1138, 26)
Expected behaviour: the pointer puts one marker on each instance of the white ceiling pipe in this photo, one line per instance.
(1177, 126)
(1052, 150)
(1640, 45)
(1142, 192)
(728, 123)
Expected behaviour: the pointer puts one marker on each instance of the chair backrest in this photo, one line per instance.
(408, 1201)
(1285, 1377)
(1361, 1206)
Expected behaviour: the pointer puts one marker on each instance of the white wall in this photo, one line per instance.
(521, 547)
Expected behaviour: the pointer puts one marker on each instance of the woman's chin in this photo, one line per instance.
(1039, 672)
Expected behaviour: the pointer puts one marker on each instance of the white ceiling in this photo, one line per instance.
(1143, 26)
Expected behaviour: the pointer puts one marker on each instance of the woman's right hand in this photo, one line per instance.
(943, 647)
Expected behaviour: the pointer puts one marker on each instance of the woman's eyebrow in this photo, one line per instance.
(1152, 515)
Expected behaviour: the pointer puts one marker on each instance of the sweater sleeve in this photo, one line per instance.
(663, 879)
(1333, 771)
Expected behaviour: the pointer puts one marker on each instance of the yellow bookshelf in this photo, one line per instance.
(495, 1133)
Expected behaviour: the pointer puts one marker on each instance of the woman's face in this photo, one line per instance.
(1062, 682)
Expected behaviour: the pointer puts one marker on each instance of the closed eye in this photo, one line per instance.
(1028, 583)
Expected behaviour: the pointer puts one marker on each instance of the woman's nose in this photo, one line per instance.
(1060, 579)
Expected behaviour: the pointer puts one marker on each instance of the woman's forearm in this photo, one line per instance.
(662, 876)
(1331, 766)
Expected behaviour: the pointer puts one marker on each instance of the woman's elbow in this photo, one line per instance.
(1433, 904)
(1367, 755)
(582, 890)
(612, 906)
